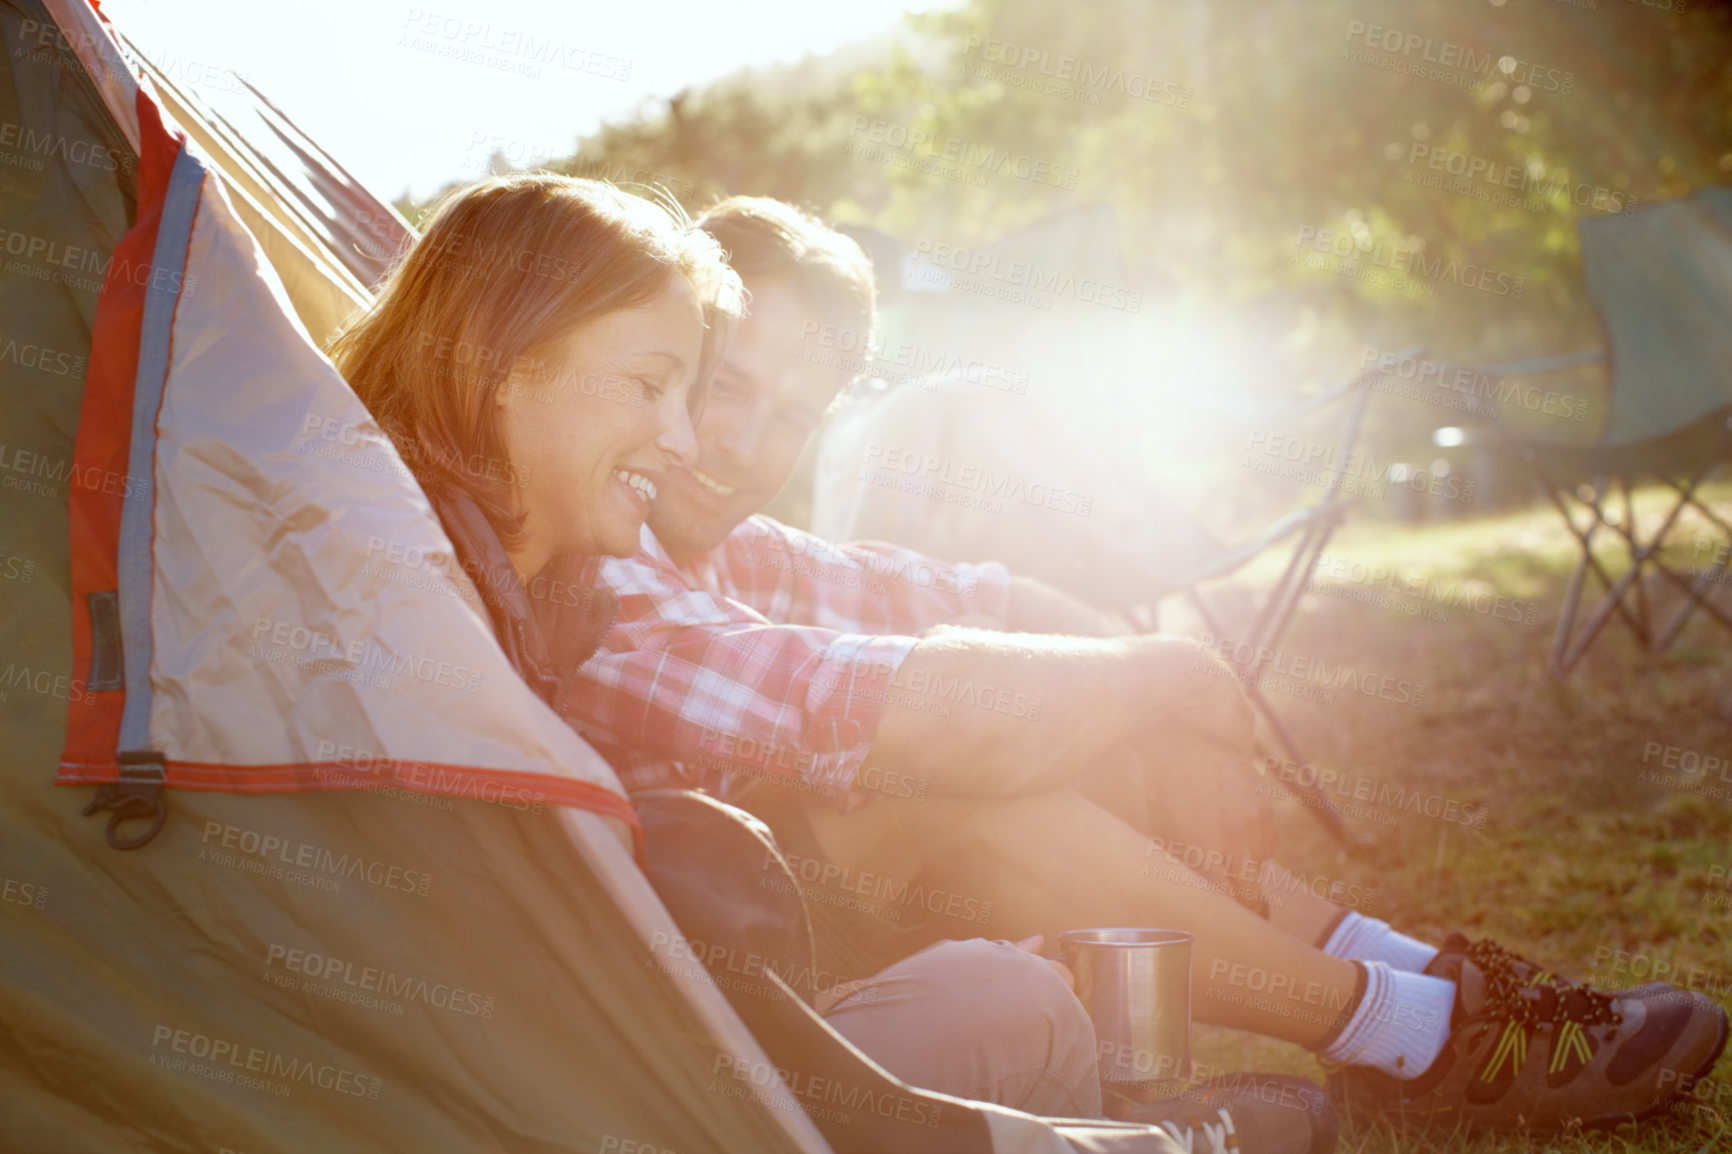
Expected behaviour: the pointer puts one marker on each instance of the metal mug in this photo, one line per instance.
(1136, 986)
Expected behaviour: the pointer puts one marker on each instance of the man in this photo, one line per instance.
(750, 653)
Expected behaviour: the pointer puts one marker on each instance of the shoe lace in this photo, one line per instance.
(1537, 996)
(1216, 1135)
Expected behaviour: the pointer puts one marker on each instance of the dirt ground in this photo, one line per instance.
(1584, 821)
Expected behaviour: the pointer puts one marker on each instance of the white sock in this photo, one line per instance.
(1399, 1026)
(1361, 939)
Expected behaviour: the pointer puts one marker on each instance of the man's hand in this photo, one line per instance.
(1033, 945)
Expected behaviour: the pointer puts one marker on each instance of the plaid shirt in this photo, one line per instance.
(771, 657)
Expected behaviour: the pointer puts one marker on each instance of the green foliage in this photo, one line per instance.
(1223, 134)
(1265, 123)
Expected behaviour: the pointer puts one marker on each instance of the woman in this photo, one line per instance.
(534, 357)
(536, 351)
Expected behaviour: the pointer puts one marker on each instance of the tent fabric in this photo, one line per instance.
(383, 959)
(358, 972)
(323, 293)
(289, 605)
(1662, 280)
(328, 238)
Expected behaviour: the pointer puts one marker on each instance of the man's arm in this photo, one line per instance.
(793, 577)
(975, 713)
(697, 678)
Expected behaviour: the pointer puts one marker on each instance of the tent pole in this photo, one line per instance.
(1317, 803)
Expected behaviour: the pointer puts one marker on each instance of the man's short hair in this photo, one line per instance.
(768, 239)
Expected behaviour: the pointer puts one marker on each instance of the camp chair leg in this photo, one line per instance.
(1697, 593)
(1648, 555)
(1638, 556)
(1696, 597)
(1287, 591)
(1602, 494)
(1597, 620)
(1314, 527)
(1564, 654)
(1690, 498)
(1695, 600)
(1572, 594)
(1317, 803)
(1567, 615)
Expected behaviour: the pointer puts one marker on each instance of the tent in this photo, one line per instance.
(329, 238)
(382, 910)
(429, 943)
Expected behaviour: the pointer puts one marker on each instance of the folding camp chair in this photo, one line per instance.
(1661, 279)
(1598, 482)
(1307, 532)
(1569, 643)
(936, 424)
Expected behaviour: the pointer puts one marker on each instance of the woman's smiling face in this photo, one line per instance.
(594, 424)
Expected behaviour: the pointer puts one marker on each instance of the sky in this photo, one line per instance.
(414, 96)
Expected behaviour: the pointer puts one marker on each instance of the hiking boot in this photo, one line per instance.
(1525, 970)
(1240, 1114)
(1527, 1051)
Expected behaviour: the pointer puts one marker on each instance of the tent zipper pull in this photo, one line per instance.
(137, 796)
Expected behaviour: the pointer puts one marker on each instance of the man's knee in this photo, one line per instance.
(984, 1020)
(1002, 978)
(1039, 1034)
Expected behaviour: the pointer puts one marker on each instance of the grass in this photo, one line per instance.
(1579, 857)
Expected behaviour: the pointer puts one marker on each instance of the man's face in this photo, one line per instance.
(767, 398)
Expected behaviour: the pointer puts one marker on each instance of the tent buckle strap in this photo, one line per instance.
(137, 796)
